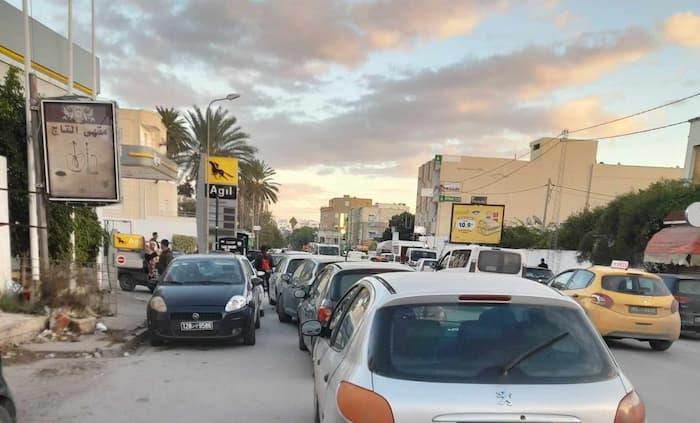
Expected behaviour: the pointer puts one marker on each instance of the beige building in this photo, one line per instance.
(367, 223)
(566, 173)
(335, 217)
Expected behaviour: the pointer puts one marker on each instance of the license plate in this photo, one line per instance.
(642, 310)
(188, 326)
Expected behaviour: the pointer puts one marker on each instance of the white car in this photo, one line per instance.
(426, 265)
(471, 348)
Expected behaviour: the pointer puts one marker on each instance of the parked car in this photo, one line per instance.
(537, 274)
(303, 276)
(496, 348)
(8, 412)
(624, 303)
(258, 290)
(426, 265)
(205, 297)
(477, 259)
(282, 272)
(686, 290)
(415, 254)
(319, 299)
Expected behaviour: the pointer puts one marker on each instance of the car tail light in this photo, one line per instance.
(486, 298)
(631, 409)
(681, 299)
(360, 405)
(324, 313)
(602, 300)
(674, 306)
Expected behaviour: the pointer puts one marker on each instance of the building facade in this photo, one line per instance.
(561, 178)
(335, 217)
(368, 223)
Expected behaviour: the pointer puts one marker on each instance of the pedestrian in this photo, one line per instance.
(542, 264)
(154, 237)
(152, 252)
(263, 263)
(166, 256)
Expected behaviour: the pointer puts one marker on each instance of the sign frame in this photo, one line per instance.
(115, 145)
(452, 221)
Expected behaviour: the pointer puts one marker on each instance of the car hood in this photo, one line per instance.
(198, 295)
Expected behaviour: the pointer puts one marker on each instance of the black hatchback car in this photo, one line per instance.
(8, 413)
(686, 289)
(205, 297)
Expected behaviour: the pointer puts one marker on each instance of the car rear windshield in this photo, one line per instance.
(635, 285)
(198, 271)
(417, 255)
(538, 273)
(343, 281)
(499, 262)
(689, 287)
(472, 343)
(329, 251)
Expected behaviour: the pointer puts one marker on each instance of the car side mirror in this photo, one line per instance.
(256, 281)
(286, 277)
(311, 328)
(260, 273)
(300, 293)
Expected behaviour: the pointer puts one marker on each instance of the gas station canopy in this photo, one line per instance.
(140, 162)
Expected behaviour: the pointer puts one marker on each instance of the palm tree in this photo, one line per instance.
(227, 139)
(176, 133)
(258, 188)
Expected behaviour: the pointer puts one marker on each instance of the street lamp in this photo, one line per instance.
(202, 197)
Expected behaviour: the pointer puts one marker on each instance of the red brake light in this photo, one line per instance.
(360, 405)
(486, 298)
(324, 313)
(631, 409)
(681, 299)
(602, 300)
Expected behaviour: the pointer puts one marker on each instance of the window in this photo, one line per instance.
(193, 271)
(471, 343)
(689, 287)
(443, 262)
(459, 258)
(341, 308)
(496, 261)
(635, 285)
(560, 281)
(320, 282)
(343, 281)
(293, 265)
(304, 273)
(351, 320)
(580, 280)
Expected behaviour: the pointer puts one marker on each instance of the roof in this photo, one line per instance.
(356, 265)
(437, 283)
(674, 245)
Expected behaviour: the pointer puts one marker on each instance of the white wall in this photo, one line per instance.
(558, 260)
(5, 263)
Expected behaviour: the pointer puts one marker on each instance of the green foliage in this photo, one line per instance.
(176, 134)
(301, 236)
(404, 225)
(271, 236)
(187, 207)
(88, 234)
(575, 228)
(186, 190)
(184, 243)
(60, 226)
(12, 304)
(13, 146)
(521, 236)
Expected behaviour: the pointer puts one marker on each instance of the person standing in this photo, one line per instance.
(542, 264)
(166, 256)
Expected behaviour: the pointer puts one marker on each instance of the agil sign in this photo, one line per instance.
(222, 192)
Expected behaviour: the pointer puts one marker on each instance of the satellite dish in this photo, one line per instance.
(692, 214)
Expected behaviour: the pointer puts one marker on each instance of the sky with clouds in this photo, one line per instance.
(351, 96)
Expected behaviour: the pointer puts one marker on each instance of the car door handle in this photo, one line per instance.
(325, 378)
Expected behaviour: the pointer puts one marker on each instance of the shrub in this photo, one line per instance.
(184, 243)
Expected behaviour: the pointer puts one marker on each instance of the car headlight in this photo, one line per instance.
(158, 304)
(236, 302)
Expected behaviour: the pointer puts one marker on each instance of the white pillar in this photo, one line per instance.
(70, 46)
(691, 158)
(5, 255)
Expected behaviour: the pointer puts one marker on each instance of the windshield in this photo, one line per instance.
(204, 270)
(499, 262)
(419, 254)
(635, 285)
(474, 343)
(328, 250)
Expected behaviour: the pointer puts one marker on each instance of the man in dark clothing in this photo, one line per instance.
(542, 264)
(263, 263)
(166, 256)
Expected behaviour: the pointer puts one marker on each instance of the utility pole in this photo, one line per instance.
(546, 203)
(41, 198)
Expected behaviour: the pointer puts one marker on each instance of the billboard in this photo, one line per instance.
(80, 151)
(476, 223)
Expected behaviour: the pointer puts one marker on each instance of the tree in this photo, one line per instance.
(575, 227)
(521, 236)
(293, 222)
(301, 236)
(226, 139)
(185, 189)
(257, 189)
(270, 234)
(403, 223)
(176, 133)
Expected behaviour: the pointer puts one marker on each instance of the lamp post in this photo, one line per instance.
(202, 196)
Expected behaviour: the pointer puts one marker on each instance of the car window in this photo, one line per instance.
(281, 264)
(459, 258)
(580, 280)
(343, 281)
(442, 264)
(294, 265)
(419, 254)
(560, 281)
(204, 270)
(304, 273)
(341, 308)
(499, 262)
(320, 282)
(635, 285)
(471, 343)
(689, 287)
(351, 320)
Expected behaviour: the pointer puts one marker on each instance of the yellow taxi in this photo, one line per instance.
(624, 303)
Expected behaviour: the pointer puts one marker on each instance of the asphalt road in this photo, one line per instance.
(270, 382)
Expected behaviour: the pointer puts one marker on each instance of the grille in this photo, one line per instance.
(188, 316)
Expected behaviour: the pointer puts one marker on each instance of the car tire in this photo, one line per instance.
(302, 345)
(126, 283)
(660, 345)
(5, 416)
(249, 339)
(281, 314)
(155, 340)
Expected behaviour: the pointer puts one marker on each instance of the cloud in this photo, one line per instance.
(683, 29)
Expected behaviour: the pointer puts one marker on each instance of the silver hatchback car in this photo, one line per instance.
(442, 347)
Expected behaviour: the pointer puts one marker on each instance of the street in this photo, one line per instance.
(269, 382)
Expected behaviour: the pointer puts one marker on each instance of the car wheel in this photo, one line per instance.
(302, 345)
(126, 283)
(5, 416)
(281, 314)
(660, 345)
(155, 340)
(249, 339)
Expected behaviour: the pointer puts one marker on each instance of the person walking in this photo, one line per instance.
(542, 264)
(263, 263)
(166, 256)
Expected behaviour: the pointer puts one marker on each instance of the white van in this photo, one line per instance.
(415, 254)
(479, 258)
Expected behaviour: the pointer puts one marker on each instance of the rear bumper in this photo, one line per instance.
(689, 322)
(616, 325)
(227, 326)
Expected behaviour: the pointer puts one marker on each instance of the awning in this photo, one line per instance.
(678, 245)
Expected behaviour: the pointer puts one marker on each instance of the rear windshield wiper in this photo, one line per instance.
(532, 351)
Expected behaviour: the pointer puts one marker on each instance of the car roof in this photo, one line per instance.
(212, 256)
(324, 259)
(437, 283)
(615, 271)
(356, 265)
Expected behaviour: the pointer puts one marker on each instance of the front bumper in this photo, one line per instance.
(617, 325)
(226, 325)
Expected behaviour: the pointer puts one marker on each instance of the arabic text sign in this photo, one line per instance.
(222, 170)
(80, 150)
(476, 223)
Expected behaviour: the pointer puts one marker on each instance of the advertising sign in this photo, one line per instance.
(450, 188)
(222, 170)
(476, 223)
(80, 148)
(122, 241)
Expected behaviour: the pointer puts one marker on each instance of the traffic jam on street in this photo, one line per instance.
(346, 211)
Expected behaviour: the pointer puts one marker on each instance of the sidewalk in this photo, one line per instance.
(18, 328)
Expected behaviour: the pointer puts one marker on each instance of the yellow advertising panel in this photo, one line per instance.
(222, 170)
(476, 223)
(127, 241)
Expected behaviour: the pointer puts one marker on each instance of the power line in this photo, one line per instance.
(642, 131)
(515, 192)
(587, 192)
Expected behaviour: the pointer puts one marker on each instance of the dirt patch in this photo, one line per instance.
(73, 368)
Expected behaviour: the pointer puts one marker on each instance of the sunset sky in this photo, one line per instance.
(350, 97)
